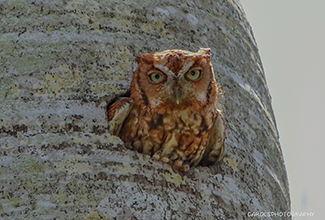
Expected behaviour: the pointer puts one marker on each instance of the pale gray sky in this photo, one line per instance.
(291, 40)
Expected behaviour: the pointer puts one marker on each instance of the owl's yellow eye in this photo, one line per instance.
(156, 77)
(193, 74)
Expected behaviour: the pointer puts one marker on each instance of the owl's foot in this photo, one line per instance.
(176, 163)
(181, 166)
(157, 156)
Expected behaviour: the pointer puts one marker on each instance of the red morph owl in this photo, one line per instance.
(170, 112)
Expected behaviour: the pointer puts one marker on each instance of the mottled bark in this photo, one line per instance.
(62, 60)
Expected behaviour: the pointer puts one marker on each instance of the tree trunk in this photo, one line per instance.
(61, 61)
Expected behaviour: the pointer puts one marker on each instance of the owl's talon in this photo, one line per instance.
(180, 166)
(165, 159)
(186, 168)
(156, 156)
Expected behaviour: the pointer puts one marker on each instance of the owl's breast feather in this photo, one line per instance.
(177, 135)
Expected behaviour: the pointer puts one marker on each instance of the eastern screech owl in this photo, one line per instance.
(171, 111)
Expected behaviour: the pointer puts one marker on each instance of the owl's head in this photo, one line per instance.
(174, 79)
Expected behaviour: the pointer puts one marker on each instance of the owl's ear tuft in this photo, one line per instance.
(144, 58)
(205, 52)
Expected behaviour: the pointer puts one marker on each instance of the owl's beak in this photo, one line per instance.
(177, 95)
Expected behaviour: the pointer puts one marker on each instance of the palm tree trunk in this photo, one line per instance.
(61, 61)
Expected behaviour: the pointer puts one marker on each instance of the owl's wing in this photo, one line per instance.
(116, 113)
(216, 147)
